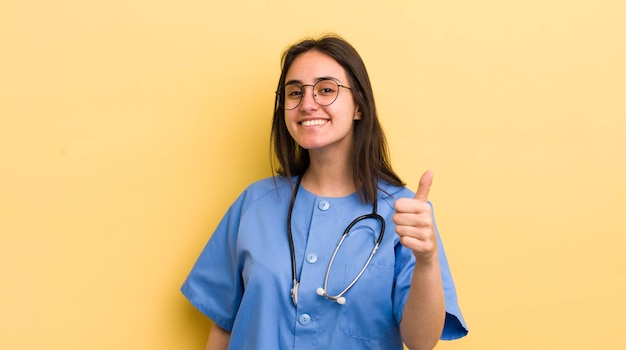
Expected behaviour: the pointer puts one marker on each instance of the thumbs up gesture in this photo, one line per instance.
(414, 222)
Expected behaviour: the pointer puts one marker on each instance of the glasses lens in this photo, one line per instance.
(293, 95)
(325, 92)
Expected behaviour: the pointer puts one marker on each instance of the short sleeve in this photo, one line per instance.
(214, 285)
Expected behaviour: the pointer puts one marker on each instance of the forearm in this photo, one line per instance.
(424, 311)
(218, 339)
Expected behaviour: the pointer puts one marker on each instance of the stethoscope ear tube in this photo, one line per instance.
(339, 298)
(323, 291)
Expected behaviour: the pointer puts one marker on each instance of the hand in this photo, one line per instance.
(414, 222)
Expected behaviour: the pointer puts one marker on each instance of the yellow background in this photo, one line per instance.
(128, 127)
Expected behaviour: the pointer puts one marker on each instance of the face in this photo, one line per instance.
(315, 127)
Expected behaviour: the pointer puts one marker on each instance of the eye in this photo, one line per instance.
(293, 91)
(326, 88)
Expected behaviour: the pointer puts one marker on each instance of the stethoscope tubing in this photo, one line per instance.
(295, 284)
(323, 291)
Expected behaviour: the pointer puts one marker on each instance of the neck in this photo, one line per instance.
(329, 177)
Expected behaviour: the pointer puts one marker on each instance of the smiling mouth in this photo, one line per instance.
(314, 122)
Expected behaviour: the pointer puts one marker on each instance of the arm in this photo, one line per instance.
(424, 312)
(218, 338)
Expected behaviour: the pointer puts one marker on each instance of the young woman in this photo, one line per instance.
(333, 252)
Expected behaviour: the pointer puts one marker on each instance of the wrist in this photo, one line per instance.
(426, 262)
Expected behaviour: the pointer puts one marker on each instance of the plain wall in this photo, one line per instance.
(128, 127)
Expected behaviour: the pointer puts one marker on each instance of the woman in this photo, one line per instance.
(292, 263)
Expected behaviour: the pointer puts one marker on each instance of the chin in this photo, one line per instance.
(311, 145)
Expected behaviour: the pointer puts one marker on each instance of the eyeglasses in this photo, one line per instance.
(325, 92)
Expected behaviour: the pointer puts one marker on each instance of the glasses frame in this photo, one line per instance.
(281, 96)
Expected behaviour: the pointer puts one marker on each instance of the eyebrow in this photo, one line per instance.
(296, 81)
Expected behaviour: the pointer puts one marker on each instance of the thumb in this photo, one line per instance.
(424, 186)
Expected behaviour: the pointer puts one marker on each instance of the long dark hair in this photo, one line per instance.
(370, 157)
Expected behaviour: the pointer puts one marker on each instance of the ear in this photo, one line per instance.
(357, 114)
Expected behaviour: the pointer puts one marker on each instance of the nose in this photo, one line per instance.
(308, 99)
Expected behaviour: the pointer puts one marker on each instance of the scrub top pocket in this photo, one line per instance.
(368, 311)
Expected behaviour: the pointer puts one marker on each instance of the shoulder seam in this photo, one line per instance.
(277, 184)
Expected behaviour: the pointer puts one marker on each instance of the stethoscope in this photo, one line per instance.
(323, 291)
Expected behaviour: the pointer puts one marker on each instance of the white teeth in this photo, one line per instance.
(314, 122)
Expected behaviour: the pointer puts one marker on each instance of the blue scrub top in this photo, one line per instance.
(242, 279)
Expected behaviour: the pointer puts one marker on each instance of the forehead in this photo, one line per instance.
(312, 65)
